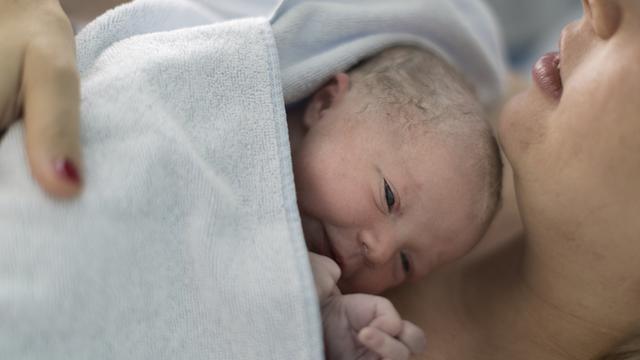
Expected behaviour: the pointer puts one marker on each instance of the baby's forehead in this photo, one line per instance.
(400, 123)
(441, 201)
(430, 164)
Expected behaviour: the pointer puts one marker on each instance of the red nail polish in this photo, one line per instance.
(66, 169)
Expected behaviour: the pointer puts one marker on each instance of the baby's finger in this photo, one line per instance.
(387, 318)
(327, 264)
(51, 93)
(413, 337)
(325, 275)
(383, 344)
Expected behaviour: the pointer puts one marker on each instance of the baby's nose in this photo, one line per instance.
(377, 249)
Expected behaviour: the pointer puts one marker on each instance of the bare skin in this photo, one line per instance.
(345, 161)
(360, 326)
(566, 286)
(438, 304)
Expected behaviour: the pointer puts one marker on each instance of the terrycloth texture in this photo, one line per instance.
(186, 242)
(317, 39)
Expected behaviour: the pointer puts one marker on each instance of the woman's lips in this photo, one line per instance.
(546, 74)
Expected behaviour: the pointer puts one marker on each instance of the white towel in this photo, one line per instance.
(186, 243)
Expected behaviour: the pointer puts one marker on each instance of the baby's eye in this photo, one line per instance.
(406, 264)
(388, 195)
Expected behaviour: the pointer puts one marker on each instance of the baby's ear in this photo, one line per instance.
(325, 98)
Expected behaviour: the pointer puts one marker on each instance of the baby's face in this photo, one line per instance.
(386, 206)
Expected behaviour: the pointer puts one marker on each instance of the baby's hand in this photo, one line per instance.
(325, 274)
(360, 326)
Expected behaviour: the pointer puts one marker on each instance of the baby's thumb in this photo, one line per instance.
(333, 269)
(326, 274)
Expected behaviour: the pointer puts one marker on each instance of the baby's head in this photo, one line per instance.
(396, 170)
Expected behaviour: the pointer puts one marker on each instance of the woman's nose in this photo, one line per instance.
(378, 249)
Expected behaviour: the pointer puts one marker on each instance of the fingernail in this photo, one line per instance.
(65, 168)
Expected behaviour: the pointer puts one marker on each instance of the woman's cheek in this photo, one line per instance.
(523, 125)
(510, 126)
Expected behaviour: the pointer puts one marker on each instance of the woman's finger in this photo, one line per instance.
(50, 88)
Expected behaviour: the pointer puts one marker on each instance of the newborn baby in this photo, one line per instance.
(396, 170)
(396, 173)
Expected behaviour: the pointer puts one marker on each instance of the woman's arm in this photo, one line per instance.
(39, 82)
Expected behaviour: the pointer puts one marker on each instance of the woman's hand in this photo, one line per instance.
(39, 81)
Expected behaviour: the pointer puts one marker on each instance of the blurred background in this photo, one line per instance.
(532, 27)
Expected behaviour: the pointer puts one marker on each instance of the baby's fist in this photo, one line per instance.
(362, 326)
